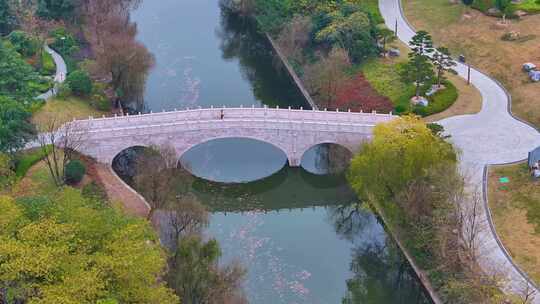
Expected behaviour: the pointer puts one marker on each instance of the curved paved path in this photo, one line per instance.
(59, 77)
(493, 136)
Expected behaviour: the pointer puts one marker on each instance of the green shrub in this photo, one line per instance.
(41, 85)
(48, 67)
(64, 91)
(372, 8)
(94, 191)
(7, 175)
(80, 83)
(34, 207)
(24, 43)
(104, 105)
(64, 42)
(439, 101)
(75, 171)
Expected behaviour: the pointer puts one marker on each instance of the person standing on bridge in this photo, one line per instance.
(222, 115)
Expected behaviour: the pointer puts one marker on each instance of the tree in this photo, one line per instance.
(385, 36)
(243, 7)
(80, 83)
(419, 69)
(503, 6)
(351, 29)
(156, 171)
(401, 151)
(294, 37)
(443, 63)
(53, 252)
(24, 43)
(59, 144)
(7, 175)
(7, 18)
(197, 278)
(16, 75)
(15, 127)
(56, 9)
(421, 44)
(187, 217)
(472, 224)
(325, 77)
(124, 59)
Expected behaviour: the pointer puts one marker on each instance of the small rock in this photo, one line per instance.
(520, 13)
(394, 52)
(493, 12)
(420, 101)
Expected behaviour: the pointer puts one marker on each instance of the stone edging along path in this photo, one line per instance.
(60, 75)
(493, 136)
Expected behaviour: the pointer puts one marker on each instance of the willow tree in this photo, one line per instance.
(402, 151)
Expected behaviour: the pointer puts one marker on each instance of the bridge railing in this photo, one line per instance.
(233, 124)
(235, 114)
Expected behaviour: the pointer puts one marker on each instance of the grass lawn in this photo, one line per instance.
(28, 158)
(64, 110)
(469, 32)
(37, 182)
(516, 213)
(532, 6)
(383, 75)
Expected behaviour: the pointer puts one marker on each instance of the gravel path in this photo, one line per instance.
(493, 136)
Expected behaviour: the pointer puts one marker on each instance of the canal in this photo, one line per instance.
(300, 232)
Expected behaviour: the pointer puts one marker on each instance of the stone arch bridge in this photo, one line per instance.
(292, 131)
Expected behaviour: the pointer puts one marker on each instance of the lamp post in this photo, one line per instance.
(63, 38)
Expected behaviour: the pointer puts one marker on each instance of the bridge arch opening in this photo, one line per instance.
(125, 162)
(233, 159)
(326, 159)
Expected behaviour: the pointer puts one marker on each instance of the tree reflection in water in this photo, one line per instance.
(240, 40)
(380, 272)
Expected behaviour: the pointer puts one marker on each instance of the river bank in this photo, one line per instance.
(491, 136)
(240, 72)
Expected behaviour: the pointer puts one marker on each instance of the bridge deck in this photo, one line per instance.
(236, 114)
(293, 131)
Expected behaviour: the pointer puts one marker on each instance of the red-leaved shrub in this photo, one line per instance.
(357, 94)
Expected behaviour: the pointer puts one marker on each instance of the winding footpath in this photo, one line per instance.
(493, 136)
(60, 75)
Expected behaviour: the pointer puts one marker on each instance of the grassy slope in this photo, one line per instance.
(383, 75)
(64, 110)
(516, 213)
(37, 182)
